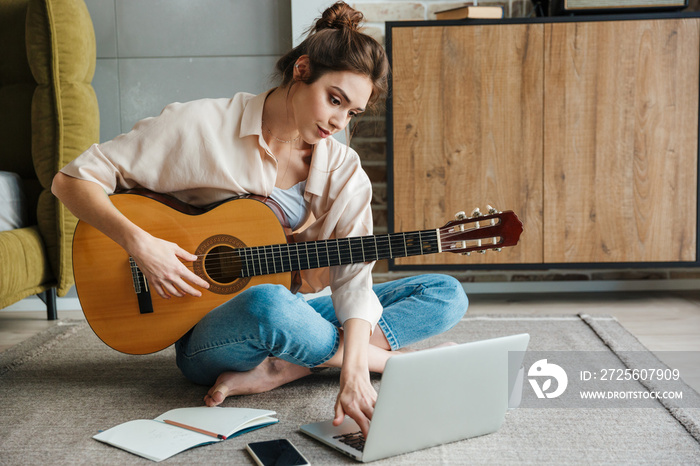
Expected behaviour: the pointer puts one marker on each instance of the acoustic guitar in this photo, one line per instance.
(240, 243)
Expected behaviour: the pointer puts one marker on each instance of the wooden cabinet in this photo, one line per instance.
(586, 128)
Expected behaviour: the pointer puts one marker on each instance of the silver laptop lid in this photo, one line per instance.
(442, 395)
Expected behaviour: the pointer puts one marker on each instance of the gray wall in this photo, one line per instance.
(154, 52)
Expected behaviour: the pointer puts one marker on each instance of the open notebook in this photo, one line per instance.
(181, 429)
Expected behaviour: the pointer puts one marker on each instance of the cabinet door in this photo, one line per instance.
(467, 130)
(621, 132)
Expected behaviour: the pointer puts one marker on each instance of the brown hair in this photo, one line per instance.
(335, 43)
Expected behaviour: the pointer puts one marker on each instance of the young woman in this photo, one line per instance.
(276, 144)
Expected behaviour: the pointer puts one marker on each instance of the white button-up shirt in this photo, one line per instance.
(210, 150)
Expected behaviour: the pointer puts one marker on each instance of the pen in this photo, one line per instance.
(201, 431)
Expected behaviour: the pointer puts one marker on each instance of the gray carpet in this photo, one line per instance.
(63, 386)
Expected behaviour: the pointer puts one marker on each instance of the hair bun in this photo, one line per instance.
(339, 16)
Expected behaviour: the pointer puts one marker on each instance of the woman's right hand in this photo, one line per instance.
(162, 263)
(159, 260)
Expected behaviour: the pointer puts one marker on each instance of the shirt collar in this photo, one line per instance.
(251, 120)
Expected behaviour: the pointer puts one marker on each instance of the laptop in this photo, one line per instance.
(432, 397)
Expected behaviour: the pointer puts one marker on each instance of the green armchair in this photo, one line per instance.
(48, 116)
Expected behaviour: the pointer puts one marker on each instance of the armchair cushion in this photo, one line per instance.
(60, 45)
(25, 267)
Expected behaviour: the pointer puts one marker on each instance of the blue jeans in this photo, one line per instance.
(269, 320)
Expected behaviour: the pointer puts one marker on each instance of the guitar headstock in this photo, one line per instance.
(480, 232)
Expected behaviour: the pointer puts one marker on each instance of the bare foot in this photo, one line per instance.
(271, 373)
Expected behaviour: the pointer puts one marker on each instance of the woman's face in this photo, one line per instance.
(326, 106)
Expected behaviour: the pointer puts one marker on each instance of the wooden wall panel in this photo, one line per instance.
(621, 138)
(467, 130)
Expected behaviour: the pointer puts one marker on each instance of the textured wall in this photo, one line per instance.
(154, 52)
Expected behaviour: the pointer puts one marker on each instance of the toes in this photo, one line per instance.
(218, 396)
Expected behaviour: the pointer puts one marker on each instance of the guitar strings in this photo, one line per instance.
(346, 251)
(445, 237)
(263, 260)
(230, 262)
(285, 249)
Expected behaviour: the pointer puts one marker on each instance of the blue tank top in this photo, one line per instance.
(292, 203)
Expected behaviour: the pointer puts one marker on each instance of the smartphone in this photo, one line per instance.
(278, 452)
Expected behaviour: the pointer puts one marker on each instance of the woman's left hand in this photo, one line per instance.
(357, 396)
(356, 399)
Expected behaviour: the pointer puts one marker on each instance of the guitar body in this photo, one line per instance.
(105, 280)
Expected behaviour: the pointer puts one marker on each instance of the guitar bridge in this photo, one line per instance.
(143, 293)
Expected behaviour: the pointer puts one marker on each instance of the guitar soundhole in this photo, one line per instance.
(220, 265)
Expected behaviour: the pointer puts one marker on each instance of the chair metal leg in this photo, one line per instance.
(49, 298)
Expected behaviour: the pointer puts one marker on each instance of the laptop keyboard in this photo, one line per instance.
(354, 439)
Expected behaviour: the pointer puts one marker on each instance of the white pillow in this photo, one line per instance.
(13, 202)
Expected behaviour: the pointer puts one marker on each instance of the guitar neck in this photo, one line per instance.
(277, 258)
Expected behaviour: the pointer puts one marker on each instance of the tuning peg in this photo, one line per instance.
(481, 251)
(461, 215)
(467, 253)
(491, 210)
(476, 213)
(497, 249)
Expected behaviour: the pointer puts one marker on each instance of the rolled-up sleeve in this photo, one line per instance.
(94, 166)
(138, 158)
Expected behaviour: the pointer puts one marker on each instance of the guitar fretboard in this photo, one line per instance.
(278, 258)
